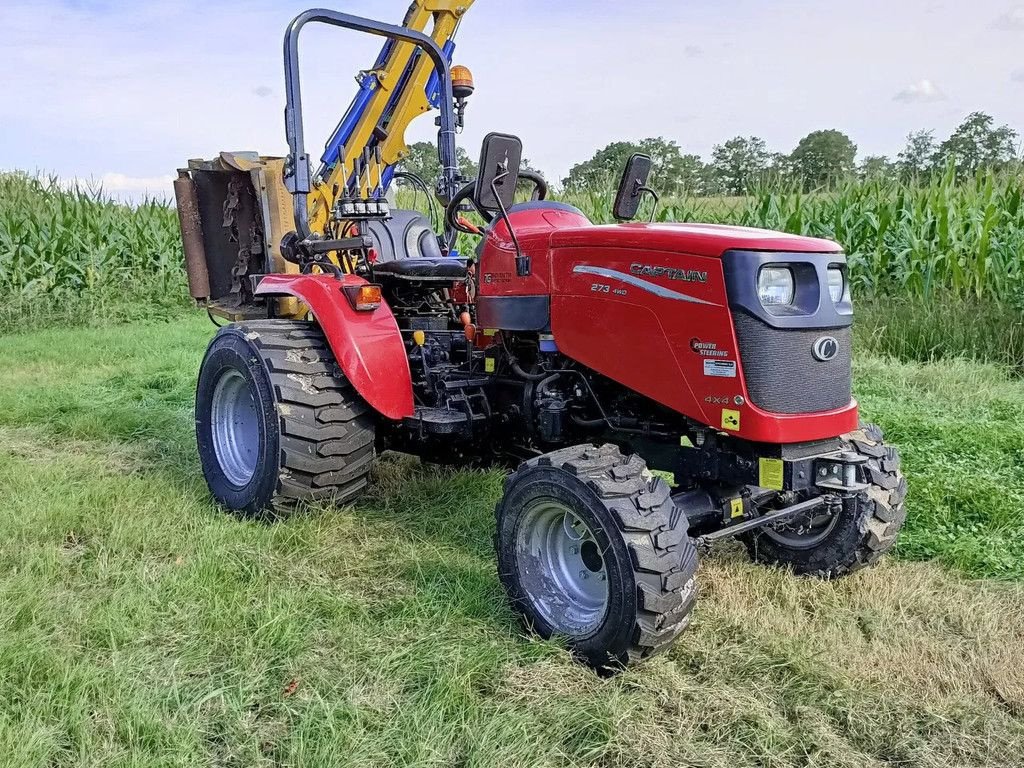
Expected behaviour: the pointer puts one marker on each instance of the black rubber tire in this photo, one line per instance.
(869, 524)
(316, 435)
(650, 559)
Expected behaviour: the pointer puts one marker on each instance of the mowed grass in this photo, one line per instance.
(141, 626)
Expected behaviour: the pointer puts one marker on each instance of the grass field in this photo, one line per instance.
(140, 626)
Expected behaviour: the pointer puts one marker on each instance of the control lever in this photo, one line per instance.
(364, 196)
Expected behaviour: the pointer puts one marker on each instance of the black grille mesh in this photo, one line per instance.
(782, 374)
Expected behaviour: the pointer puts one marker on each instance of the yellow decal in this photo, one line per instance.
(490, 331)
(736, 507)
(685, 442)
(770, 474)
(489, 365)
(730, 420)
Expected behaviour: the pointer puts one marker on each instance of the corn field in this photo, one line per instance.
(918, 241)
(942, 238)
(57, 241)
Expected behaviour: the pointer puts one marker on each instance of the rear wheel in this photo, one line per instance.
(591, 548)
(834, 544)
(276, 422)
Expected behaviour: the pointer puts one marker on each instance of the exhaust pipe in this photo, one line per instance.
(192, 237)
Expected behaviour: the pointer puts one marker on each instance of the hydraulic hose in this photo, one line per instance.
(518, 371)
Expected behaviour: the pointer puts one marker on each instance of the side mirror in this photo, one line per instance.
(631, 187)
(500, 160)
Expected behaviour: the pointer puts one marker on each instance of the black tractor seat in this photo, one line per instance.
(407, 249)
(420, 269)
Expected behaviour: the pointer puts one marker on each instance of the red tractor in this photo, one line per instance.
(660, 386)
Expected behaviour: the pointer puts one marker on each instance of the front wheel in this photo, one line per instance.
(830, 545)
(592, 549)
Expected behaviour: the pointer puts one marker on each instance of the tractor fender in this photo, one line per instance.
(367, 345)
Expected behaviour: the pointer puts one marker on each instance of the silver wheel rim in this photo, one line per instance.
(236, 430)
(562, 568)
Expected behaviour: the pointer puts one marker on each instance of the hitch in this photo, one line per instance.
(838, 472)
(778, 516)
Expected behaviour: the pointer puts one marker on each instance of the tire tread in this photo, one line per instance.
(663, 557)
(326, 430)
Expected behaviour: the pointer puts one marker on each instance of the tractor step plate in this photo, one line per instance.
(441, 421)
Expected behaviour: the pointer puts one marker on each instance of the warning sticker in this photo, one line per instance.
(770, 474)
(723, 369)
(736, 507)
(731, 420)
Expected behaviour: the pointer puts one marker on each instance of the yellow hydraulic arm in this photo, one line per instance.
(392, 95)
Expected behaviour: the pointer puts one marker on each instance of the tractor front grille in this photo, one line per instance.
(782, 373)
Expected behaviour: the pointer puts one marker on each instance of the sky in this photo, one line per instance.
(124, 93)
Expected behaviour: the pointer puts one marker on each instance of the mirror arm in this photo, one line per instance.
(652, 193)
(522, 261)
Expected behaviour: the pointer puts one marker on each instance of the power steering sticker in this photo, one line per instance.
(722, 369)
(707, 348)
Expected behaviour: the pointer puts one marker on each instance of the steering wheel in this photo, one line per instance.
(451, 213)
(540, 186)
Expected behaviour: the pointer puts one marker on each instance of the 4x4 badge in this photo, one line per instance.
(825, 348)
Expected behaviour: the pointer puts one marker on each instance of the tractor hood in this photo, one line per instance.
(711, 240)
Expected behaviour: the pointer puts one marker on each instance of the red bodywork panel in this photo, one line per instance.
(643, 329)
(367, 345)
(710, 240)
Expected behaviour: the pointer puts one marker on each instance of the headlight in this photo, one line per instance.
(775, 286)
(836, 284)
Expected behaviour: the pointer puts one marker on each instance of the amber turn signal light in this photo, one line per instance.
(363, 298)
(462, 82)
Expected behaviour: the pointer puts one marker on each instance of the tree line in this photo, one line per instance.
(819, 161)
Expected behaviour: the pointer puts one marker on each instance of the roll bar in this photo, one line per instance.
(297, 172)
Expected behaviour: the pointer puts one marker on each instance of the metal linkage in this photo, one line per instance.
(778, 516)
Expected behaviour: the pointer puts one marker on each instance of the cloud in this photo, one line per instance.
(263, 91)
(921, 92)
(1011, 21)
(1017, 76)
(151, 89)
(119, 182)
